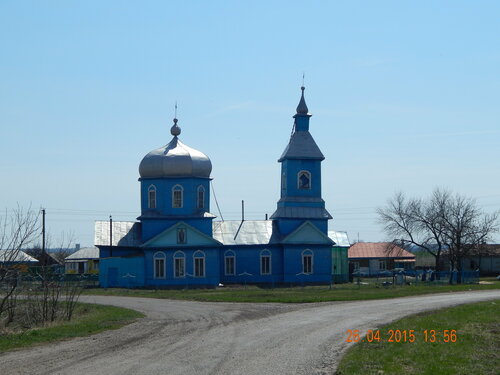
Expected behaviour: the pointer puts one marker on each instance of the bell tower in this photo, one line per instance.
(301, 178)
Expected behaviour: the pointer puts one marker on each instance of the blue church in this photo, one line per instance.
(176, 242)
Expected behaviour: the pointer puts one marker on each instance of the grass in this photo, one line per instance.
(476, 350)
(339, 292)
(88, 319)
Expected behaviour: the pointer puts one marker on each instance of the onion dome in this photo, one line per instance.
(302, 107)
(175, 160)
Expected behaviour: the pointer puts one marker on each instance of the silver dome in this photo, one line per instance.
(175, 160)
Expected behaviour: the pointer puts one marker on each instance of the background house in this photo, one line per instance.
(372, 258)
(85, 260)
(486, 259)
(16, 257)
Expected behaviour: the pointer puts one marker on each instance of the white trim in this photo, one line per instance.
(380, 263)
(229, 254)
(308, 173)
(200, 189)
(266, 254)
(308, 253)
(179, 255)
(151, 189)
(195, 257)
(160, 255)
(177, 188)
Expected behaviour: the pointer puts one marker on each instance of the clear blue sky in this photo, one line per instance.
(404, 96)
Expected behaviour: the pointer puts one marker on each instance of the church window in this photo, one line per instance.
(177, 192)
(179, 264)
(159, 265)
(382, 265)
(229, 263)
(304, 180)
(201, 197)
(199, 264)
(152, 196)
(181, 236)
(265, 262)
(283, 181)
(307, 261)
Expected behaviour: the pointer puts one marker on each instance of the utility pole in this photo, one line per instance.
(43, 232)
(110, 236)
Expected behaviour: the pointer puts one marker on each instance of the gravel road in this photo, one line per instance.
(182, 337)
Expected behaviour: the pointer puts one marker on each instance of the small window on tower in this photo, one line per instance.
(152, 197)
(201, 197)
(304, 180)
(177, 196)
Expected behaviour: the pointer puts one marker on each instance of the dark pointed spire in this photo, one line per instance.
(302, 107)
(175, 130)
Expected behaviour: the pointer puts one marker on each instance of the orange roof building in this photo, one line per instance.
(374, 257)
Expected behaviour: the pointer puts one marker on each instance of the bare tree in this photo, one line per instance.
(414, 222)
(18, 229)
(48, 300)
(442, 223)
(466, 229)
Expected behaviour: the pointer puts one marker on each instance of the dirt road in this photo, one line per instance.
(181, 337)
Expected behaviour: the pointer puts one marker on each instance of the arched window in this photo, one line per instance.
(177, 193)
(159, 265)
(265, 262)
(307, 261)
(199, 264)
(200, 197)
(229, 263)
(304, 180)
(179, 264)
(152, 196)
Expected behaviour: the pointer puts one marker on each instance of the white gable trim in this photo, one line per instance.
(152, 242)
(321, 239)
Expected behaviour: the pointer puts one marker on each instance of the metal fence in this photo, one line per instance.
(425, 277)
(37, 278)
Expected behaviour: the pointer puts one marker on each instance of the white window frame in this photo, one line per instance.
(309, 254)
(199, 256)
(159, 256)
(266, 254)
(308, 174)
(179, 255)
(177, 203)
(200, 203)
(382, 265)
(229, 254)
(152, 189)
